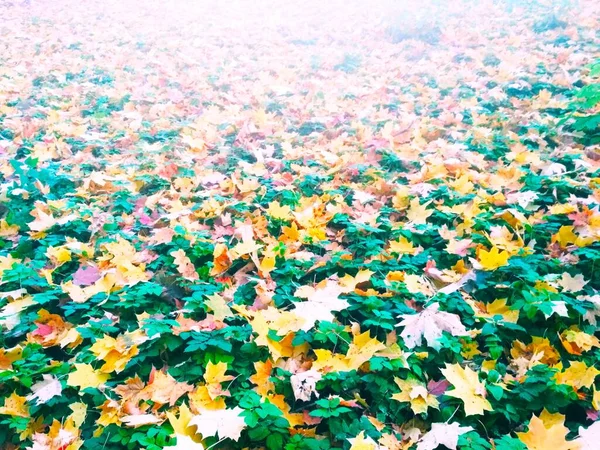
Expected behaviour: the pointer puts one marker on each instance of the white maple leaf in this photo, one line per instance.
(524, 199)
(592, 314)
(45, 390)
(227, 423)
(559, 308)
(554, 169)
(589, 437)
(304, 384)
(363, 197)
(429, 323)
(320, 304)
(572, 284)
(138, 420)
(442, 434)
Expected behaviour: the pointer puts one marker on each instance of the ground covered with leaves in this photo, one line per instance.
(299, 227)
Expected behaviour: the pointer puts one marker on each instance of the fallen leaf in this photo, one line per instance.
(304, 384)
(589, 437)
(44, 390)
(446, 434)
(416, 393)
(226, 423)
(140, 420)
(86, 276)
(361, 442)
(15, 405)
(429, 323)
(468, 388)
(218, 306)
(493, 259)
(85, 376)
(547, 432)
(572, 284)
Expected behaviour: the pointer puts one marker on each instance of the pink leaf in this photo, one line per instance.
(86, 276)
(437, 387)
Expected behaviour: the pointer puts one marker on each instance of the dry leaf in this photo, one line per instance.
(429, 323)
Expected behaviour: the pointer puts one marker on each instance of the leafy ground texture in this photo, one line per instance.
(299, 226)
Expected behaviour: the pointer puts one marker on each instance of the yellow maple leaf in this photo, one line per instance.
(576, 341)
(109, 413)
(290, 234)
(244, 248)
(395, 275)
(6, 263)
(547, 432)
(276, 211)
(58, 255)
(469, 349)
(348, 283)
(329, 362)
(267, 265)
(218, 306)
(564, 208)
(565, 236)
(596, 399)
(7, 230)
(418, 284)
(491, 260)
(85, 376)
(15, 405)
(418, 213)
(287, 322)
(362, 349)
(9, 356)
(285, 348)
(402, 246)
(261, 377)
(361, 442)
(115, 352)
(578, 375)
(295, 419)
(214, 376)
(539, 350)
(78, 415)
(496, 308)
(462, 185)
(82, 295)
(181, 424)
(389, 441)
(400, 200)
(415, 392)
(163, 388)
(200, 399)
(468, 388)
(42, 221)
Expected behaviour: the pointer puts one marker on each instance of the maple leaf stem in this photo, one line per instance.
(450, 418)
(228, 386)
(215, 444)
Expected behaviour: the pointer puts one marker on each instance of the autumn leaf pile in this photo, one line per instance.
(248, 225)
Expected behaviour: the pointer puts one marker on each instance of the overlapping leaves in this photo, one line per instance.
(220, 231)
